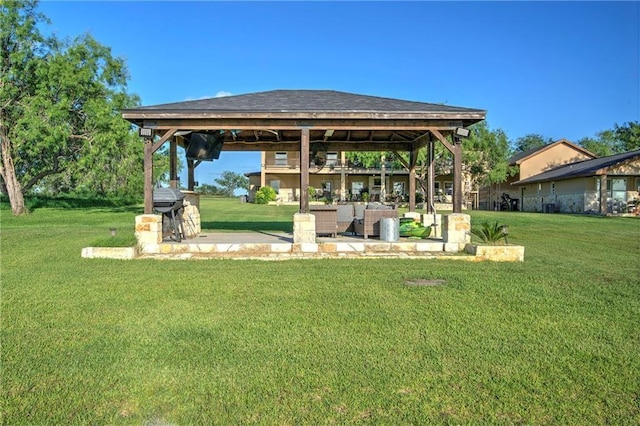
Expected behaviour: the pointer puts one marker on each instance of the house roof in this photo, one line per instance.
(288, 101)
(520, 157)
(584, 168)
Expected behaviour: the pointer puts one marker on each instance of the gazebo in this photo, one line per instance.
(303, 120)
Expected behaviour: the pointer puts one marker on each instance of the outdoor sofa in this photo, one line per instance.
(369, 224)
(359, 219)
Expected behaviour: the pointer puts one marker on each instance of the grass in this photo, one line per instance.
(552, 340)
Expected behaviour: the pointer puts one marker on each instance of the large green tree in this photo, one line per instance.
(628, 136)
(622, 138)
(230, 181)
(604, 144)
(530, 141)
(60, 102)
(485, 154)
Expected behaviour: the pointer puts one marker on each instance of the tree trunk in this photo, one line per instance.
(8, 172)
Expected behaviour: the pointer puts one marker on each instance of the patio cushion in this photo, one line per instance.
(345, 212)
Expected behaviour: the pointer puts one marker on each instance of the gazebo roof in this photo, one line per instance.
(271, 121)
(300, 101)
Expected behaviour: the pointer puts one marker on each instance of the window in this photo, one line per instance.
(617, 189)
(553, 188)
(326, 187)
(356, 187)
(281, 159)
(448, 188)
(275, 184)
(332, 158)
(398, 188)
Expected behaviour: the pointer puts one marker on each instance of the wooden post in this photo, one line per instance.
(343, 179)
(148, 176)
(304, 170)
(173, 163)
(431, 175)
(149, 148)
(383, 177)
(457, 176)
(263, 166)
(413, 158)
(191, 181)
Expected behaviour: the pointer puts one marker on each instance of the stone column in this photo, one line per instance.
(148, 229)
(304, 228)
(457, 231)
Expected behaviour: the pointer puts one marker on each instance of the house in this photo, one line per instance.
(601, 185)
(336, 178)
(530, 163)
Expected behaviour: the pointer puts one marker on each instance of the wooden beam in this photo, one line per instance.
(168, 134)
(331, 146)
(304, 170)
(445, 142)
(402, 160)
(287, 124)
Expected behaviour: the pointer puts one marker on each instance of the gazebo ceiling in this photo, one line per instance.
(271, 121)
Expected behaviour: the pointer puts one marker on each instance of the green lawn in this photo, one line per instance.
(552, 340)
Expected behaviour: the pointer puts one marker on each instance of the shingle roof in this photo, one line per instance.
(305, 101)
(581, 168)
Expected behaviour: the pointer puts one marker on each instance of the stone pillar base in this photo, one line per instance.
(457, 229)
(304, 228)
(148, 229)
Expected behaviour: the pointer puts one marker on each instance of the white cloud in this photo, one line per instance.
(222, 94)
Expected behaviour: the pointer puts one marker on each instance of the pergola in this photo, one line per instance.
(304, 121)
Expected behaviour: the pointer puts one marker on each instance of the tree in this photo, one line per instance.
(620, 139)
(628, 136)
(60, 102)
(230, 181)
(484, 156)
(531, 141)
(603, 145)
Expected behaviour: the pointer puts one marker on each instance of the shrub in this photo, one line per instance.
(490, 232)
(265, 194)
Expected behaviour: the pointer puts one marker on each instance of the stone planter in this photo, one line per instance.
(506, 253)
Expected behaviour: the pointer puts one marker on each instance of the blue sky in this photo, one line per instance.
(559, 69)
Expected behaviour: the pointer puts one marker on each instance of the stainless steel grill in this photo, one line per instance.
(169, 202)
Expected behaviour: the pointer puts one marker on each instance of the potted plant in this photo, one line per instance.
(494, 243)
